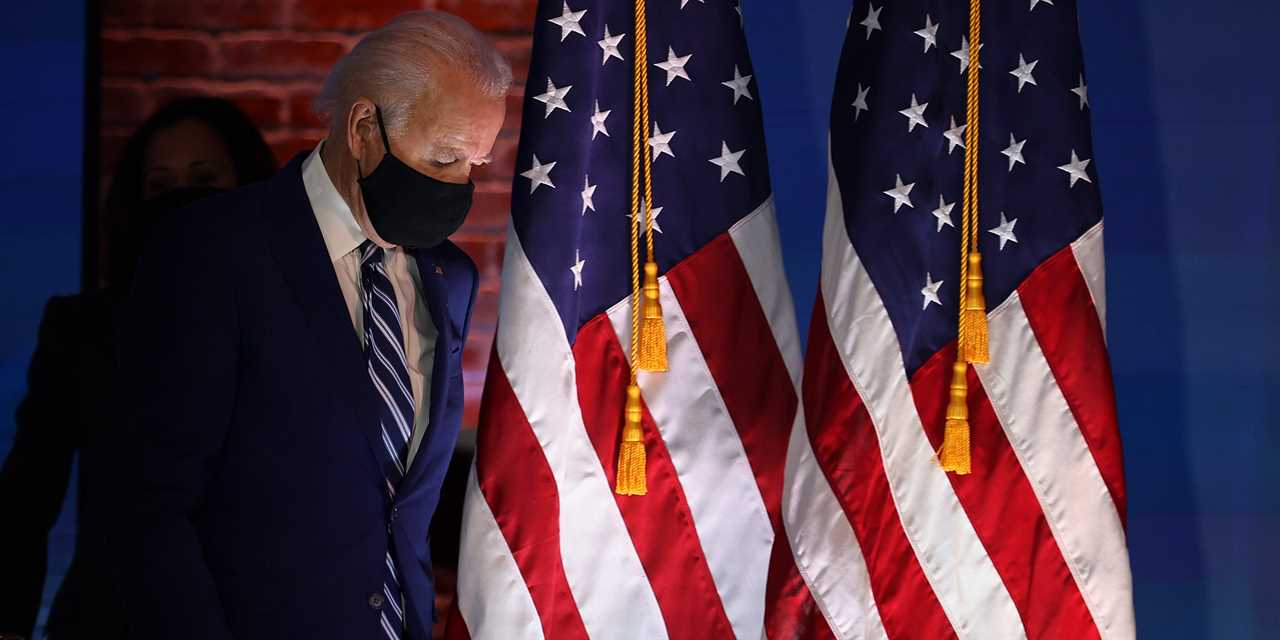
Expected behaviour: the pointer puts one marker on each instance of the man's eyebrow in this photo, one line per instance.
(435, 152)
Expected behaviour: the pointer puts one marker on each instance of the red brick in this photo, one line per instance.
(475, 354)
(128, 55)
(344, 15)
(110, 145)
(288, 144)
(218, 15)
(266, 109)
(503, 165)
(475, 357)
(490, 209)
(162, 94)
(518, 51)
(472, 389)
(126, 13)
(476, 243)
(515, 108)
(302, 111)
(484, 316)
(280, 58)
(123, 104)
(485, 250)
(504, 16)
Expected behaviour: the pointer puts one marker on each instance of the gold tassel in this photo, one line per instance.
(653, 335)
(954, 454)
(631, 458)
(973, 332)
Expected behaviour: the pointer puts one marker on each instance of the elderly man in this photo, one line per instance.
(294, 359)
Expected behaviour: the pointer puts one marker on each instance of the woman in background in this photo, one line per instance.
(188, 150)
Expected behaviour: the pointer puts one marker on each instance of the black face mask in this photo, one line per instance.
(408, 208)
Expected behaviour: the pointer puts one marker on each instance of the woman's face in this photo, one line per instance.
(187, 154)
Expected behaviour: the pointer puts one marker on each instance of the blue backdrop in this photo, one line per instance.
(1186, 126)
(1186, 115)
(42, 48)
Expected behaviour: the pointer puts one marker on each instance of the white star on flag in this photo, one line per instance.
(930, 291)
(609, 43)
(653, 218)
(1005, 231)
(872, 21)
(674, 66)
(588, 190)
(539, 174)
(1082, 91)
(1076, 169)
(661, 142)
(597, 121)
(577, 269)
(1035, 2)
(954, 136)
(1014, 151)
(568, 22)
(915, 114)
(554, 97)
(1023, 72)
(943, 213)
(728, 161)
(739, 85)
(860, 102)
(653, 213)
(929, 33)
(684, 2)
(962, 54)
(900, 193)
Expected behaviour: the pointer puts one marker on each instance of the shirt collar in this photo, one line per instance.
(338, 226)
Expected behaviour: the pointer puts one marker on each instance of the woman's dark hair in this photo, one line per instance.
(250, 157)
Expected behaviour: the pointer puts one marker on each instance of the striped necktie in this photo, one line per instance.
(384, 352)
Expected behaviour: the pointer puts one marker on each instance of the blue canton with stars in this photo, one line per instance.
(897, 121)
(572, 191)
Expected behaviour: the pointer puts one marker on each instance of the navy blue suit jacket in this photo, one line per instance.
(259, 508)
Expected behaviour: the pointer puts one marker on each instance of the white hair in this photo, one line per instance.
(394, 66)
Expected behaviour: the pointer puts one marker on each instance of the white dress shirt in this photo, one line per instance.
(343, 237)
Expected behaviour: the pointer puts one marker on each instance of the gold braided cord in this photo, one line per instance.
(972, 339)
(642, 79)
(969, 205)
(653, 338)
(972, 130)
(637, 152)
(955, 455)
(970, 155)
(630, 477)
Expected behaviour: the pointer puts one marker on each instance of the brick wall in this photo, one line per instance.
(269, 57)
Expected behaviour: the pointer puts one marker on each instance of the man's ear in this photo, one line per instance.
(363, 138)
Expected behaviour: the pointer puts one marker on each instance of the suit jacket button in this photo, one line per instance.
(376, 601)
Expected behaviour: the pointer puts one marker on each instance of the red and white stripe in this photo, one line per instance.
(549, 551)
(1032, 544)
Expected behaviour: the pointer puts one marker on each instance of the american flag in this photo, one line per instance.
(1032, 543)
(548, 549)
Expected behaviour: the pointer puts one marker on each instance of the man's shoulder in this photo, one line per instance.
(235, 220)
(222, 216)
(456, 262)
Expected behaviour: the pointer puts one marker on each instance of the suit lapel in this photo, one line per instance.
(304, 261)
(435, 293)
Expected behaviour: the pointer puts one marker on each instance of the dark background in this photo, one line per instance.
(1186, 114)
